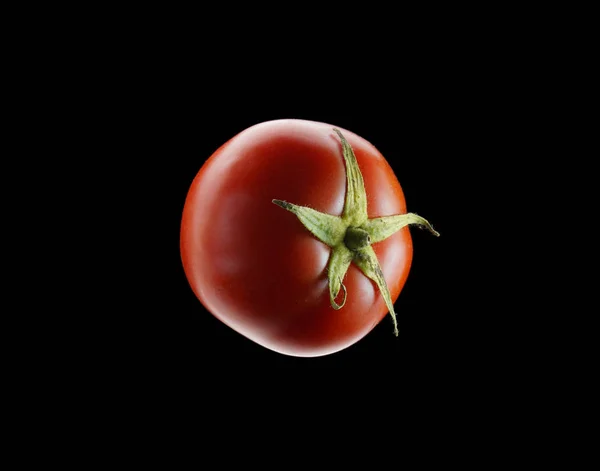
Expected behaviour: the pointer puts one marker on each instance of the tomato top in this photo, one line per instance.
(269, 273)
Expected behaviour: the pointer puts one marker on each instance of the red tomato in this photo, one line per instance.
(255, 266)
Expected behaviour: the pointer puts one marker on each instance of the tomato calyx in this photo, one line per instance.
(351, 235)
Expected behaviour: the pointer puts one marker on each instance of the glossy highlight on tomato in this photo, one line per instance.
(263, 270)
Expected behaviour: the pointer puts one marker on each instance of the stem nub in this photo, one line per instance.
(356, 238)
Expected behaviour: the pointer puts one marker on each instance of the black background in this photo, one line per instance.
(441, 108)
(127, 105)
(437, 125)
(449, 102)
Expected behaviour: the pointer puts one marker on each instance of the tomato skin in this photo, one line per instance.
(256, 268)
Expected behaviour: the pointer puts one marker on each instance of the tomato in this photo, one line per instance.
(264, 269)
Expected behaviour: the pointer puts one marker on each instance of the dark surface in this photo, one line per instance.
(129, 105)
